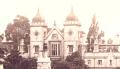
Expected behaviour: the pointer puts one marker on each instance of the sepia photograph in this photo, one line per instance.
(59, 34)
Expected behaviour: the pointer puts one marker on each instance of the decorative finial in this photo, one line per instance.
(71, 16)
(72, 11)
(54, 23)
(94, 18)
(38, 12)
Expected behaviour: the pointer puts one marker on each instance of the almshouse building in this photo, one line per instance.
(104, 53)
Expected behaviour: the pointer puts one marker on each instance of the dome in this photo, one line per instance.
(37, 18)
(71, 16)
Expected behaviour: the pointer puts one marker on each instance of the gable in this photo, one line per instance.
(54, 34)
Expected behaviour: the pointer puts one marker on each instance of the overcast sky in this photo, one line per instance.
(107, 12)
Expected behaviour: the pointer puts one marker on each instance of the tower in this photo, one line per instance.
(71, 33)
(38, 30)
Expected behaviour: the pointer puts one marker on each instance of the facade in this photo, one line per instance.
(61, 43)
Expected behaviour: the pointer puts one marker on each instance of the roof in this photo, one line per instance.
(38, 18)
(71, 16)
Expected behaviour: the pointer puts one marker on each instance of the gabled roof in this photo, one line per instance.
(51, 30)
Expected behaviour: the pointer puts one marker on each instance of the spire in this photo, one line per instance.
(72, 11)
(71, 16)
(94, 18)
(38, 12)
(54, 23)
(38, 17)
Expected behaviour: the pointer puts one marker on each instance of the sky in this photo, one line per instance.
(107, 12)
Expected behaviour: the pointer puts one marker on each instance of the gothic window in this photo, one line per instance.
(99, 62)
(55, 48)
(70, 48)
(36, 48)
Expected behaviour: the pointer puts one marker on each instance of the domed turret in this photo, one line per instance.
(37, 18)
(71, 16)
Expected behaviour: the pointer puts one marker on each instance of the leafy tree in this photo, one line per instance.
(16, 61)
(29, 63)
(75, 61)
(18, 29)
(92, 34)
(13, 60)
(59, 65)
(117, 68)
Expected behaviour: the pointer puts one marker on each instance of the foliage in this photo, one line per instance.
(15, 61)
(18, 29)
(117, 68)
(93, 35)
(73, 61)
(59, 65)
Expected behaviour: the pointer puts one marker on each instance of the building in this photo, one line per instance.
(61, 43)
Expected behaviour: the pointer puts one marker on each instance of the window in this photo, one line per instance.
(55, 48)
(89, 61)
(58, 49)
(110, 62)
(54, 36)
(70, 48)
(36, 48)
(99, 62)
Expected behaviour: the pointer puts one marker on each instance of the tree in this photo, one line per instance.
(92, 34)
(59, 65)
(13, 60)
(18, 29)
(117, 68)
(75, 61)
(16, 61)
